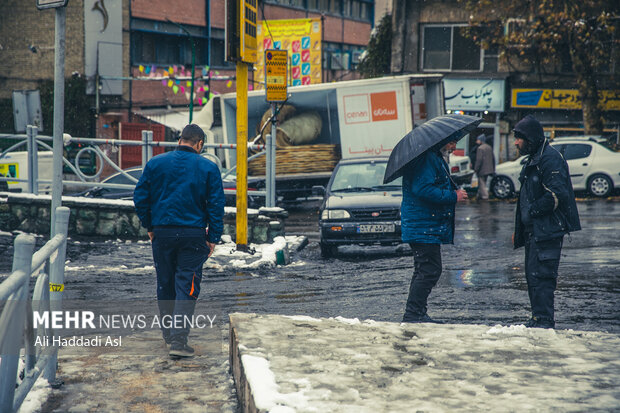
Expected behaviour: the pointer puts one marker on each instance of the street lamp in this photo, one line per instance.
(191, 93)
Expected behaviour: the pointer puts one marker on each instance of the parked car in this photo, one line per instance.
(460, 169)
(593, 168)
(229, 183)
(358, 208)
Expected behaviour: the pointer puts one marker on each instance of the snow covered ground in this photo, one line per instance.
(304, 364)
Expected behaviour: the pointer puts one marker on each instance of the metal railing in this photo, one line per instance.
(33, 140)
(16, 319)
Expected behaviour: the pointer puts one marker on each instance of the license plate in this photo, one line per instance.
(372, 228)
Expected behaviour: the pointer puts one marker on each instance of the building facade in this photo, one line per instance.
(431, 37)
(135, 56)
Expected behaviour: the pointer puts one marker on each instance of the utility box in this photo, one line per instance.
(15, 165)
(27, 110)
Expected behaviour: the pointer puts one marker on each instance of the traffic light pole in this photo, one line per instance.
(242, 156)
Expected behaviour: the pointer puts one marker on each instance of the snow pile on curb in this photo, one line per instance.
(227, 257)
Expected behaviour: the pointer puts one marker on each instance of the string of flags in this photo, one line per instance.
(170, 78)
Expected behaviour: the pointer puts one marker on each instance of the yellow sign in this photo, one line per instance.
(275, 75)
(247, 29)
(560, 99)
(10, 170)
(57, 287)
(302, 39)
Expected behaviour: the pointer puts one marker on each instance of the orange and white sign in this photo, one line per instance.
(383, 106)
(372, 119)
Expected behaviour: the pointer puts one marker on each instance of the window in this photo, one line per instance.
(447, 48)
(156, 42)
(577, 151)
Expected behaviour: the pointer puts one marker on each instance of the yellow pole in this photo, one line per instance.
(242, 156)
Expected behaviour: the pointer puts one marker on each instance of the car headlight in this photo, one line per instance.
(335, 214)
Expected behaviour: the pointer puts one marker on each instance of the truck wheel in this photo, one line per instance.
(502, 187)
(600, 186)
(328, 251)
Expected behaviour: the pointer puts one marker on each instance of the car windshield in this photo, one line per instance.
(363, 177)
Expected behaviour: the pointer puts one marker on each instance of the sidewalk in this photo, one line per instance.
(302, 364)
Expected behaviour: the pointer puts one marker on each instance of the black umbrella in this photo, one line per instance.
(434, 133)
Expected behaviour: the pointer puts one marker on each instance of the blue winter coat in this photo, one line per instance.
(181, 188)
(429, 199)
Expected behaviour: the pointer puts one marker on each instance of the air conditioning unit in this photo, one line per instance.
(356, 57)
(339, 61)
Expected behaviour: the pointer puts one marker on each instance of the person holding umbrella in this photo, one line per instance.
(429, 199)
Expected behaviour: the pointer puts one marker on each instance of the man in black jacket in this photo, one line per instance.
(546, 211)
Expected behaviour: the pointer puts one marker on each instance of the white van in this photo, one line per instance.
(15, 165)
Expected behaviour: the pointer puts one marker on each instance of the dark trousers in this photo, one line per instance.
(427, 270)
(179, 254)
(541, 272)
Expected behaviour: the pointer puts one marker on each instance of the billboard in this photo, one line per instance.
(302, 39)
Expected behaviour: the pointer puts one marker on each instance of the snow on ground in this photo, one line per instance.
(226, 256)
(37, 396)
(343, 365)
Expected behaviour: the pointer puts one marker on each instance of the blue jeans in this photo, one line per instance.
(179, 254)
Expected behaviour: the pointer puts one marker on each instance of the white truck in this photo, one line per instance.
(349, 119)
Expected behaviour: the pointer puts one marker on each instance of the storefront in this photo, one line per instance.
(479, 97)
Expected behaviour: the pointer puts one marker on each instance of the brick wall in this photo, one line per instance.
(187, 11)
(22, 25)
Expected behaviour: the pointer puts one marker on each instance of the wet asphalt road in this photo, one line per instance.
(482, 282)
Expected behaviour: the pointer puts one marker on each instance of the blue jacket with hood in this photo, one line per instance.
(545, 181)
(429, 199)
(181, 188)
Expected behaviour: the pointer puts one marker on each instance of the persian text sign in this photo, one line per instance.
(275, 75)
(302, 39)
(560, 99)
(474, 94)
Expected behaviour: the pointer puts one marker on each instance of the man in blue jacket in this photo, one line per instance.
(178, 197)
(427, 221)
(546, 211)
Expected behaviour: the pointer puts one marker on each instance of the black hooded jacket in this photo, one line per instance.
(545, 181)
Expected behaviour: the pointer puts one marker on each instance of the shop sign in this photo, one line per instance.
(560, 99)
(474, 95)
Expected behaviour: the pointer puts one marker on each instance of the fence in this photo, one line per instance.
(16, 319)
(32, 140)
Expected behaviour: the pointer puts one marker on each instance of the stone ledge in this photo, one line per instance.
(117, 218)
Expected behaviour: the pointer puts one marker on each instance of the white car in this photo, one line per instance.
(593, 168)
(460, 169)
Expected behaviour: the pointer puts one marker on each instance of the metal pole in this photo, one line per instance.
(59, 112)
(57, 278)
(149, 145)
(191, 92)
(31, 159)
(242, 156)
(12, 323)
(145, 155)
(268, 161)
(271, 177)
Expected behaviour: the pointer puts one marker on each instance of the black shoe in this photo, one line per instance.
(180, 349)
(419, 318)
(540, 322)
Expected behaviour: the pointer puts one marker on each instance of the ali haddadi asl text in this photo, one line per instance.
(81, 341)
